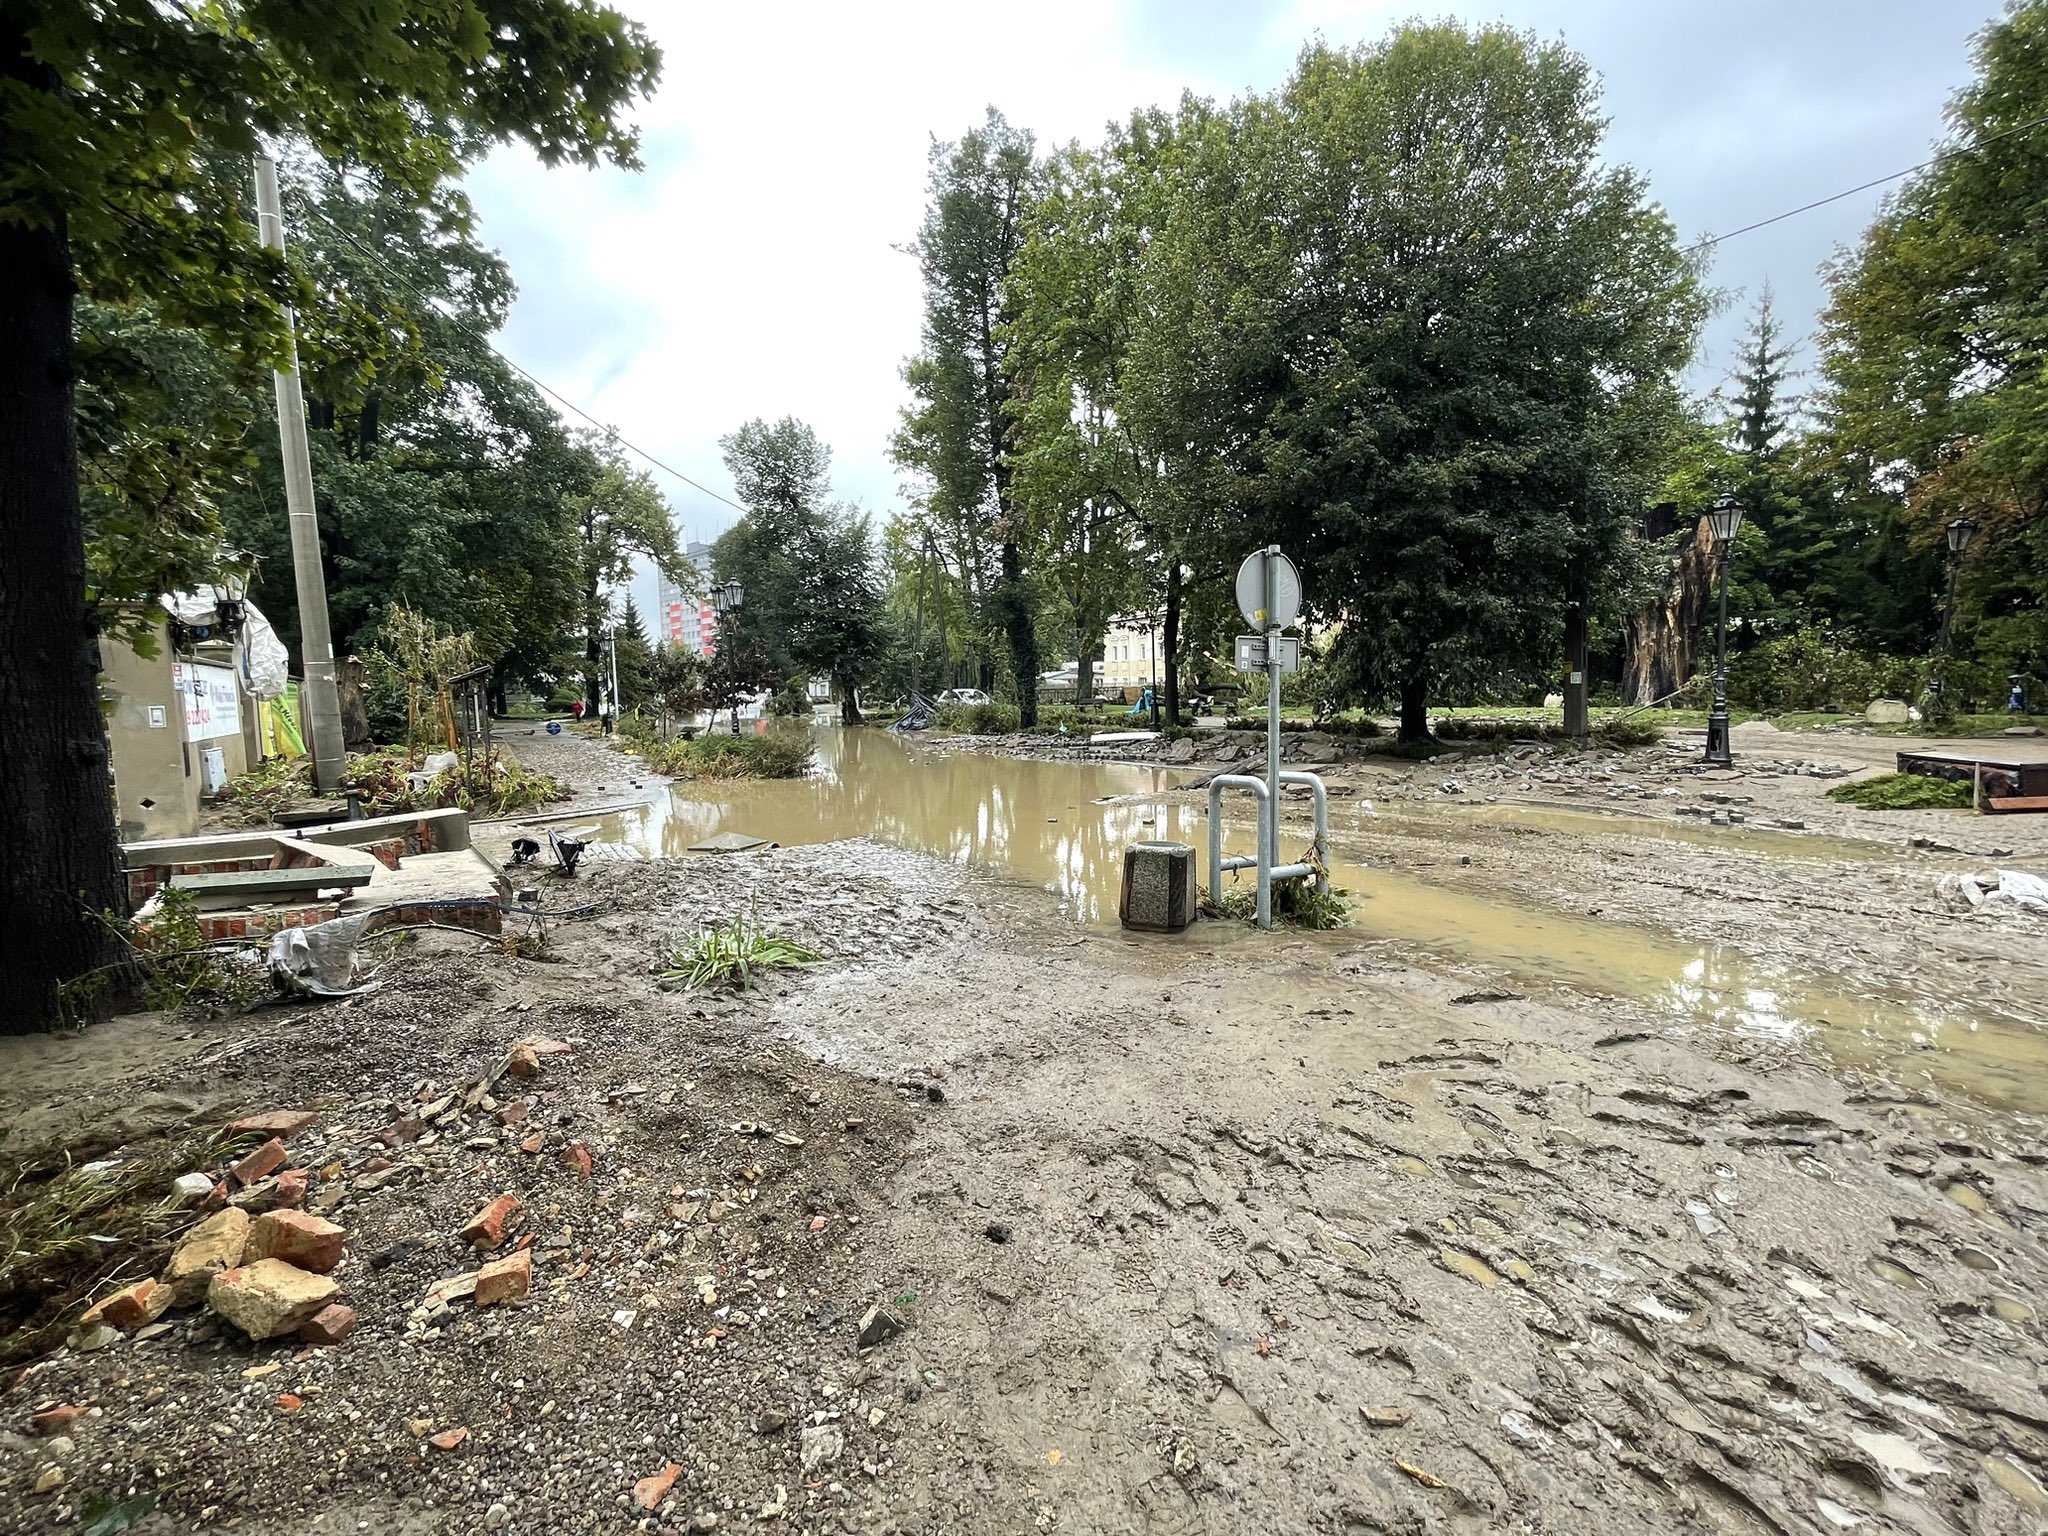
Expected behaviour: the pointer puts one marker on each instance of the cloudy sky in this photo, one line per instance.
(752, 268)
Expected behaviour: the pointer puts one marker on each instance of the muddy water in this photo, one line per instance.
(1064, 826)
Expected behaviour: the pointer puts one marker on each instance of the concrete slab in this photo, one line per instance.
(731, 842)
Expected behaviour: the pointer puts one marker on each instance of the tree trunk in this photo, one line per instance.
(849, 702)
(1414, 707)
(60, 865)
(1169, 663)
(1659, 642)
(1021, 635)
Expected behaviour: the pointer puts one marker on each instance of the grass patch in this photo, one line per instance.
(1296, 904)
(1362, 729)
(725, 953)
(496, 785)
(778, 755)
(1903, 792)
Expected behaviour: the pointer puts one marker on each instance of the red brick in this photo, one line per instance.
(449, 1439)
(576, 1158)
(513, 1113)
(486, 1228)
(303, 1241)
(260, 1164)
(330, 1325)
(532, 1143)
(650, 1491)
(54, 1420)
(281, 1123)
(143, 1302)
(388, 852)
(291, 1188)
(506, 1279)
(289, 1402)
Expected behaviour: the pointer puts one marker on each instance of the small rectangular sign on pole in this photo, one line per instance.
(1253, 650)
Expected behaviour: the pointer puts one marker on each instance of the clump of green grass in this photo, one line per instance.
(778, 755)
(1903, 792)
(722, 954)
(1296, 903)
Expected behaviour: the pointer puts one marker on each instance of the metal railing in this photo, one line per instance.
(1317, 864)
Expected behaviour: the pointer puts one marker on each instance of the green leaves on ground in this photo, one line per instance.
(1903, 792)
(782, 754)
(728, 953)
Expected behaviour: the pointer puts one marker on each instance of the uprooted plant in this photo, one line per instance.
(721, 954)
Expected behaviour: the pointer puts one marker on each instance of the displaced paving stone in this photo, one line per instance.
(130, 1308)
(281, 1123)
(506, 1279)
(881, 1323)
(260, 1164)
(311, 1243)
(486, 1228)
(650, 1491)
(269, 1297)
(217, 1243)
(576, 1158)
(330, 1325)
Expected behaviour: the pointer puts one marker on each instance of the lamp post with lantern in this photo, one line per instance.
(1959, 533)
(726, 600)
(1725, 518)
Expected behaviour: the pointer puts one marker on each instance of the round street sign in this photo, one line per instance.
(1251, 590)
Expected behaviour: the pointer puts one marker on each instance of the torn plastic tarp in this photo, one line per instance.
(260, 656)
(2016, 887)
(321, 958)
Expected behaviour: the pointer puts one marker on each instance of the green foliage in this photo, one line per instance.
(1296, 904)
(412, 658)
(778, 755)
(731, 952)
(181, 970)
(636, 659)
(978, 719)
(1903, 792)
(1815, 668)
(1620, 732)
(497, 785)
(675, 681)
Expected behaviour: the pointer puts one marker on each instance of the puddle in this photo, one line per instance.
(1655, 822)
(1064, 826)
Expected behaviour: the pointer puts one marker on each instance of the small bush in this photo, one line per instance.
(1364, 728)
(1296, 903)
(724, 953)
(779, 755)
(1815, 669)
(490, 786)
(1619, 733)
(976, 719)
(1903, 792)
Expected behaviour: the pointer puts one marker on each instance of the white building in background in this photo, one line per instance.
(1130, 655)
(687, 619)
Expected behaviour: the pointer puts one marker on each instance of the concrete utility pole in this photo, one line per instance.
(316, 645)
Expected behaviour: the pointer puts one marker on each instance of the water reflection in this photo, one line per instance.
(1064, 826)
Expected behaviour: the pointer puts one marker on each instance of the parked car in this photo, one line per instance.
(963, 696)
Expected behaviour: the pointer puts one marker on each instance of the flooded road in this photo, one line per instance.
(1063, 826)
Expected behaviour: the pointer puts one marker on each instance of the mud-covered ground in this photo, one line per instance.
(1334, 1233)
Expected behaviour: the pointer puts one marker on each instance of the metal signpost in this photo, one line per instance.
(1269, 597)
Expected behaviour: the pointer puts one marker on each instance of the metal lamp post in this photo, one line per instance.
(1152, 651)
(1960, 531)
(1725, 518)
(726, 600)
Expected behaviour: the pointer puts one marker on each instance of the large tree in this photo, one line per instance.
(1934, 350)
(956, 435)
(1435, 332)
(109, 116)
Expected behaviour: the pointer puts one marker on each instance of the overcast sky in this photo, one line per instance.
(751, 269)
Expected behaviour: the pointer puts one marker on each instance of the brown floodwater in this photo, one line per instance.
(1063, 826)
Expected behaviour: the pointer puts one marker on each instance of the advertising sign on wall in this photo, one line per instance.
(212, 705)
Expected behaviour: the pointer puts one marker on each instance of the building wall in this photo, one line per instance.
(1128, 648)
(156, 770)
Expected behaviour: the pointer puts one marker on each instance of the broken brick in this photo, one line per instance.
(53, 1420)
(290, 1402)
(269, 1297)
(532, 1143)
(650, 1491)
(506, 1279)
(521, 1061)
(513, 1113)
(281, 1123)
(143, 1302)
(291, 1188)
(486, 1228)
(261, 1163)
(306, 1242)
(217, 1243)
(576, 1158)
(449, 1439)
(330, 1325)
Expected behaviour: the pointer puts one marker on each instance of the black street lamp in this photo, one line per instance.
(1960, 531)
(726, 600)
(1725, 518)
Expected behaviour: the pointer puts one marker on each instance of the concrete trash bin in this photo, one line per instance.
(1159, 887)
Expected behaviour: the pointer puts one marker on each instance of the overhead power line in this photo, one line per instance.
(532, 378)
(1835, 197)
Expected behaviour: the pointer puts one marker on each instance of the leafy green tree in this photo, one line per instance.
(956, 435)
(619, 516)
(1934, 349)
(1435, 332)
(109, 116)
(675, 681)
